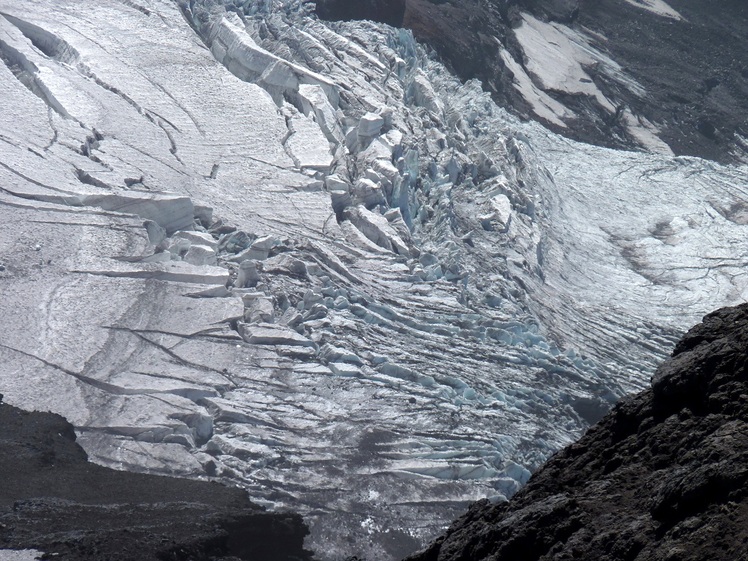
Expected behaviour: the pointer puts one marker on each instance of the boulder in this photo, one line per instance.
(235, 241)
(200, 238)
(199, 254)
(259, 310)
(179, 247)
(377, 229)
(368, 193)
(286, 264)
(156, 234)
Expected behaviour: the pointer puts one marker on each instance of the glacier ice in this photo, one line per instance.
(303, 258)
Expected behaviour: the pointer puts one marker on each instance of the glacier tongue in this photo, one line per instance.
(302, 258)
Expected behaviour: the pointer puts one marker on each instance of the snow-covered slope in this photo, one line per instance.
(303, 258)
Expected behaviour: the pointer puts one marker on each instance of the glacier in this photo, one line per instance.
(300, 257)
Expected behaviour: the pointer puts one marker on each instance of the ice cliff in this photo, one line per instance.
(303, 258)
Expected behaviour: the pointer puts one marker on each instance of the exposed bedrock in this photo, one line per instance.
(390, 12)
(560, 10)
(54, 501)
(443, 26)
(662, 477)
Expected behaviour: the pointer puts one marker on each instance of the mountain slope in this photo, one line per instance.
(668, 76)
(663, 476)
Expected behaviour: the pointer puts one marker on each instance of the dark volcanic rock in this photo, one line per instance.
(469, 54)
(385, 11)
(53, 500)
(663, 477)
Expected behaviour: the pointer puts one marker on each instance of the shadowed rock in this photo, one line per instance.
(384, 11)
(53, 500)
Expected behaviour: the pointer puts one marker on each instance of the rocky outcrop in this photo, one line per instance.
(53, 500)
(688, 57)
(663, 477)
(385, 11)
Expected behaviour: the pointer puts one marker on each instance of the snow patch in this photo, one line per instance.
(543, 105)
(658, 7)
(20, 555)
(556, 60)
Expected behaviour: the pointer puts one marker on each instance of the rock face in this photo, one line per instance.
(663, 477)
(385, 11)
(654, 74)
(54, 501)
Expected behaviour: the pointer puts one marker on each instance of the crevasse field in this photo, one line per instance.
(302, 258)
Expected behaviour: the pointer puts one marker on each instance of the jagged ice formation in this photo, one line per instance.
(301, 257)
